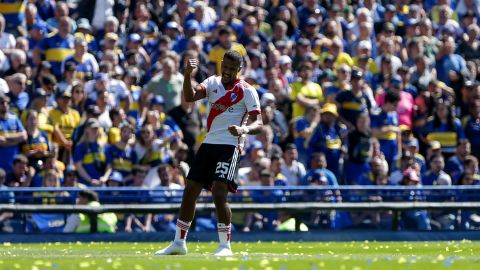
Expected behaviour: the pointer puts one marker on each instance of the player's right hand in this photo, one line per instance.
(191, 65)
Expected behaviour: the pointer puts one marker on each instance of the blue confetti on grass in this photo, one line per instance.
(447, 263)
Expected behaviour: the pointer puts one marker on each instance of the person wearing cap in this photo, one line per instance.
(305, 93)
(86, 64)
(444, 127)
(64, 120)
(90, 156)
(115, 180)
(135, 46)
(20, 174)
(414, 219)
(192, 28)
(91, 112)
(436, 174)
(385, 128)
(37, 146)
(57, 47)
(352, 103)
(12, 133)
(225, 43)
(411, 145)
(328, 137)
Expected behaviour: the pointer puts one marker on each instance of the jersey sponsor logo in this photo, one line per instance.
(224, 103)
(233, 97)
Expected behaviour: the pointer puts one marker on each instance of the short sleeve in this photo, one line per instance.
(294, 92)
(108, 154)
(340, 97)
(375, 121)
(301, 125)
(78, 153)
(252, 101)
(460, 131)
(20, 127)
(42, 45)
(207, 84)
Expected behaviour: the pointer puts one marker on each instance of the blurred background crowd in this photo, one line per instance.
(352, 92)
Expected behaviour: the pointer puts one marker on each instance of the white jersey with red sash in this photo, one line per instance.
(228, 107)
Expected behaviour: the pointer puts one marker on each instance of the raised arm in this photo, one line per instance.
(189, 93)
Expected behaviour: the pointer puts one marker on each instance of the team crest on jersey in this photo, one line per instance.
(233, 97)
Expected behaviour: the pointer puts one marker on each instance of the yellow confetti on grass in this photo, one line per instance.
(402, 260)
(84, 264)
(7, 244)
(264, 263)
(440, 257)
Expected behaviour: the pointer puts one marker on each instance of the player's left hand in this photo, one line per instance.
(235, 130)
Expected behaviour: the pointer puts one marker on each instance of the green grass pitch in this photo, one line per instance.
(259, 255)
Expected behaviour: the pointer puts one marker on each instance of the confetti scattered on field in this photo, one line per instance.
(260, 255)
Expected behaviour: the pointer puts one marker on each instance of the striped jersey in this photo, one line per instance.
(227, 107)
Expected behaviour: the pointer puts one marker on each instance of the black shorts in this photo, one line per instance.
(216, 162)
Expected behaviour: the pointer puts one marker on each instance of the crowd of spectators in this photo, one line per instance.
(352, 92)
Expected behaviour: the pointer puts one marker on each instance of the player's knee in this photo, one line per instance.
(219, 193)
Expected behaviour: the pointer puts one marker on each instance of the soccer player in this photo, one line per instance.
(230, 100)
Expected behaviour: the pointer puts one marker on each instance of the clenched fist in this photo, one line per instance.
(190, 66)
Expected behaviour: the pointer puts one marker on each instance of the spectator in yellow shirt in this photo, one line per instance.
(65, 120)
(341, 57)
(225, 44)
(305, 93)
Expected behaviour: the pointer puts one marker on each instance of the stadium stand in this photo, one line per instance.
(374, 102)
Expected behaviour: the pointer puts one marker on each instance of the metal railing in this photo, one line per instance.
(292, 200)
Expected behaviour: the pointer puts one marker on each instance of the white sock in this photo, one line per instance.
(181, 230)
(224, 234)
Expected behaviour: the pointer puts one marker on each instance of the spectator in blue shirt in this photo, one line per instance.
(472, 127)
(18, 96)
(450, 67)
(436, 174)
(385, 128)
(352, 103)
(12, 133)
(454, 166)
(328, 137)
(304, 127)
(319, 171)
(89, 156)
(443, 127)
